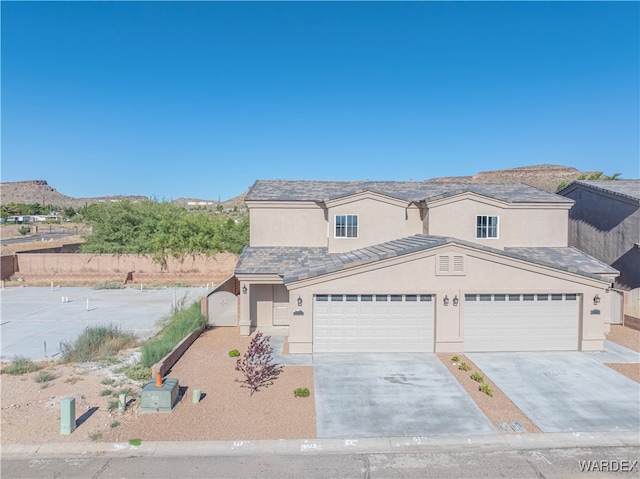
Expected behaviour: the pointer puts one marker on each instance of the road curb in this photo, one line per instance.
(396, 445)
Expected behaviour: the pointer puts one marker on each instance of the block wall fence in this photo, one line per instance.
(82, 268)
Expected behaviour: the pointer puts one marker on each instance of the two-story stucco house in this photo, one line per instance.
(418, 267)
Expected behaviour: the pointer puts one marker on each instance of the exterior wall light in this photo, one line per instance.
(596, 299)
(299, 302)
(244, 289)
(455, 300)
(446, 300)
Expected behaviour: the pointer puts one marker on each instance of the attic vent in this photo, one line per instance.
(458, 264)
(443, 264)
(450, 264)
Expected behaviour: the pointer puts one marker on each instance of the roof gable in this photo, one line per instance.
(628, 189)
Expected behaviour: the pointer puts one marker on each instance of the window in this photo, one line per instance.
(486, 226)
(346, 226)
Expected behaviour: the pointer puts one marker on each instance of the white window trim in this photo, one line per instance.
(346, 237)
(497, 236)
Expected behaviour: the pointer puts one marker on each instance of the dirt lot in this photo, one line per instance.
(31, 410)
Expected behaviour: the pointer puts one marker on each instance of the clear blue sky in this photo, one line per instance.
(200, 99)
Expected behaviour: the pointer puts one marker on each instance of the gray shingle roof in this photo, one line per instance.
(626, 188)
(295, 263)
(294, 190)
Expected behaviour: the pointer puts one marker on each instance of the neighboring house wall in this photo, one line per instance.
(518, 225)
(607, 226)
(287, 224)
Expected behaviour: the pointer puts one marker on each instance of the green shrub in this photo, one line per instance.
(180, 325)
(23, 230)
(301, 392)
(96, 437)
(106, 392)
(113, 405)
(234, 353)
(137, 372)
(464, 367)
(477, 377)
(486, 389)
(20, 365)
(455, 359)
(109, 285)
(135, 441)
(44, 377)
(114, 424)
(108, 381)
(97, 342)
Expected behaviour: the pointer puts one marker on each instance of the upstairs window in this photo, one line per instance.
(486, 226)
(346, 226)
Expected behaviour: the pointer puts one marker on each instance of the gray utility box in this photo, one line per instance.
(159, 399)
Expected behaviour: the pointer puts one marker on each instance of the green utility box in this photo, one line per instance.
(67, 415)
(159, 398)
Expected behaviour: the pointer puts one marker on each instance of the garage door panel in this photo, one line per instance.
(525, 322)
(384, 323)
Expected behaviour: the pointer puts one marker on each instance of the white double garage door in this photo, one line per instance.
(407, 323)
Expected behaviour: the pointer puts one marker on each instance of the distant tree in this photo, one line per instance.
(161, 230)
(596, 176)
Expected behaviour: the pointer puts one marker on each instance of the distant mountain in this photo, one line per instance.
(545, 177)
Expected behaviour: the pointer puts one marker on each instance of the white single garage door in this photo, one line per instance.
(350, 323)
(521, 322)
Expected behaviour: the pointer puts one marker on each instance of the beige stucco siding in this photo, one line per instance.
(518, 225)
(379, 220)
(284, 224)
(483, 273)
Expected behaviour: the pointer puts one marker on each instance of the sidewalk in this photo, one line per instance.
(396, 445)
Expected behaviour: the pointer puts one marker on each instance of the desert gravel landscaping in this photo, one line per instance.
(31, 410)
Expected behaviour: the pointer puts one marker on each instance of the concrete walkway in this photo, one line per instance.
(382, 445)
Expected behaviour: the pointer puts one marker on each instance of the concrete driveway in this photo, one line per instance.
(565, 391)
(378, 395)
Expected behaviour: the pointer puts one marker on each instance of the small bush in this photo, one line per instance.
(477, 377)
(137, 372)
(108, 381)
(113, 405)
(96, 437)
(464, 367)
(109, 285)
(20, 365)
(44, 377)
(106, 392)
(135, 441)
(486, 389)
(23, 230)
(95, 343)
(455, 359)
(114, 424)
(301, 392)
(234, 353)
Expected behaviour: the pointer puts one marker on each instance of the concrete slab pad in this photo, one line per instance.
(391, 395)
(564, 391)
(31, 317)
(614, 353)
(277, 343)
